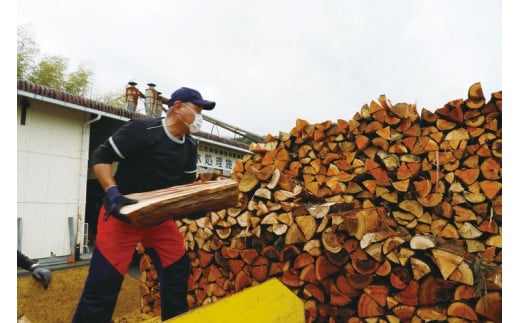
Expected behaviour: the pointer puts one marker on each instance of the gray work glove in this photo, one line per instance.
(113, 201)
(41, 274)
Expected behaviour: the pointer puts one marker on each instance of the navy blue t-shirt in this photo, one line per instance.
(149, 156)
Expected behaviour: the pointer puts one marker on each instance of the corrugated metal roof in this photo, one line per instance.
(66, 98)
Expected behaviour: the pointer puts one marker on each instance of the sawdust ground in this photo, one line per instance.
(58, 302)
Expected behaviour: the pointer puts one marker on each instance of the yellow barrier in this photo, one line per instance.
(269, 302)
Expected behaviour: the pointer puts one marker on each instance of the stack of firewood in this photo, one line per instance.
(390, 216)
(150, 288)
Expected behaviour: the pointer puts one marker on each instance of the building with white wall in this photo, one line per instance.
(58, 197)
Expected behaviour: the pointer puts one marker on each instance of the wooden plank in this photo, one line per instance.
(180, 201)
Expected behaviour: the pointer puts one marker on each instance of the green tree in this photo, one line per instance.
(26, 52)
(50, 71)
(78, 82)
(113, 98)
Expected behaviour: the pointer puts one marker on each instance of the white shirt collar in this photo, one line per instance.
(172, 137)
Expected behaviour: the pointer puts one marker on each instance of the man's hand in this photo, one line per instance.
(41, 274)
(114, 200)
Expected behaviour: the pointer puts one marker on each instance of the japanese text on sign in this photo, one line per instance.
(217, 158)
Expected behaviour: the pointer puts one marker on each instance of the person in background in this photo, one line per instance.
(153, 153)
(40, 273)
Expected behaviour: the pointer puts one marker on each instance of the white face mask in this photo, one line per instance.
(196, 124)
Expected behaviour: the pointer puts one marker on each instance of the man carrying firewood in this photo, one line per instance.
(153, 153)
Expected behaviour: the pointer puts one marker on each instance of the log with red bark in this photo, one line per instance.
(389, 216)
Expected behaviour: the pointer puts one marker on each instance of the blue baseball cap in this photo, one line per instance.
(185, 94)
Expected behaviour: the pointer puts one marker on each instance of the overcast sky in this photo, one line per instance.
(268, 63)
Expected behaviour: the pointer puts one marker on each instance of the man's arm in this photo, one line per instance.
(40, 273)
(24, 262)
(113, 199)
(104, 175)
